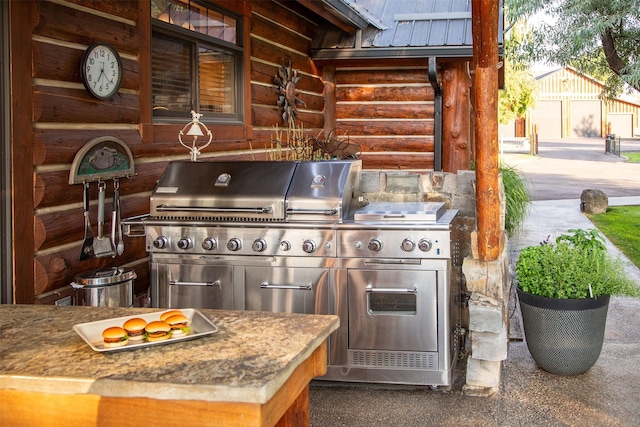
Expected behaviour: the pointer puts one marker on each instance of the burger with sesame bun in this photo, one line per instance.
(179, 325)
(164, 316)
(115, 336)
(135, 328)
(157, 331)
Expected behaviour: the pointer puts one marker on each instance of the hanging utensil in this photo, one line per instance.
(114, 213)
(101, 246)
(120, 244)
(87, 244)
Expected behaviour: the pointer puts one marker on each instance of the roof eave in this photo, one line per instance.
(465, 52)
(347, 13)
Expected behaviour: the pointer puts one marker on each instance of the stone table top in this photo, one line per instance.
(247, 360)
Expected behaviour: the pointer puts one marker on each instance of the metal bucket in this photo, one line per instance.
(111, 287)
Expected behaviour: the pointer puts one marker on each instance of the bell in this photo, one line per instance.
(195, 130)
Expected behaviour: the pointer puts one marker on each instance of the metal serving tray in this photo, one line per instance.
(91, 332)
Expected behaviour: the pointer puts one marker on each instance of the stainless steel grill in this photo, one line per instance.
(247, 235)
(297, 237)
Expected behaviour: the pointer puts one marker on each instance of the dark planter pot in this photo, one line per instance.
(564, 336)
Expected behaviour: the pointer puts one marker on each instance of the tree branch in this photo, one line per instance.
(613, 59)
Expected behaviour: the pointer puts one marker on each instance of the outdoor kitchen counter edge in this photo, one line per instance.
(247, 360)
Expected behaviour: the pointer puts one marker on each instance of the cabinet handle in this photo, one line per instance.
(181, 283)
(413, 290)
(267, 285)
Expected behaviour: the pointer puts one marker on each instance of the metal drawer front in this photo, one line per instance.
(287, 289)
(195, 286)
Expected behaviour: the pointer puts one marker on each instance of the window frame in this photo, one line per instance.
(178, 34)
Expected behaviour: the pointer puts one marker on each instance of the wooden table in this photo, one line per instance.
(254, 371)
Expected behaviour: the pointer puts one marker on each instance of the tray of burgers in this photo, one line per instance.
(145, 330)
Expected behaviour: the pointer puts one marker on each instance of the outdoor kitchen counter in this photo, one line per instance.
(254, 369)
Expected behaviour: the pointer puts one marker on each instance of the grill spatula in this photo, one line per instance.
(87, 245)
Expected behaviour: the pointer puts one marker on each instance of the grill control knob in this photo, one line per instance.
(161, 242)
(209, 244)
(234, 244)
(424, 245)
(285, 245)
(375, 244)
(309, 246)
(185, 243)
(259, 245)
(408, 245)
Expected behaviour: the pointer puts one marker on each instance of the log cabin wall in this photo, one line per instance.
(64, 118)
(388, 109)
(385, 106)
(58, 117)
(280, 34)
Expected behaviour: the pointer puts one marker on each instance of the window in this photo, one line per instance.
(196, 61)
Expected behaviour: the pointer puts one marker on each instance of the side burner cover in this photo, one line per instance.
(423, 212)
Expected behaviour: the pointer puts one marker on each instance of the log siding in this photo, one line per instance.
(389, 112)
(386, 106)
(64, 117)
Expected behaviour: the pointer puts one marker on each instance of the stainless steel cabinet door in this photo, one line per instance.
(393, 310)
(287, 289)
(194, 286)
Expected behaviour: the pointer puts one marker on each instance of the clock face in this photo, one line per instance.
(101, 70)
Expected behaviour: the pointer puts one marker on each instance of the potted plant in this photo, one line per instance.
(564, 289)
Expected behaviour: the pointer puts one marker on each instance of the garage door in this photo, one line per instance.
(621, 125)
(548, 117)
(585, 119)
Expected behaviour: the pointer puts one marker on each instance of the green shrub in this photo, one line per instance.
(577, 265)
(517, 198)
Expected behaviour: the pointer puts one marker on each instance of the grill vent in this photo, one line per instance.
(456, 256)
(393, 359)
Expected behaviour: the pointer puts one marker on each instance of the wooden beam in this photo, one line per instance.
(485, 55)
(456, 117)
(22, 21)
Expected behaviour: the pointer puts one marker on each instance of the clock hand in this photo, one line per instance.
(101, 73)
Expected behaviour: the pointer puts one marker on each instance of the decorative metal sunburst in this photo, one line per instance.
(286, 80)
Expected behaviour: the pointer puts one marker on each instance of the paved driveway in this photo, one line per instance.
(564, 168)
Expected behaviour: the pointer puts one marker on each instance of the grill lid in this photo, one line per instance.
(423, 212)
(257, 191)
(324, 191)
(227, 190)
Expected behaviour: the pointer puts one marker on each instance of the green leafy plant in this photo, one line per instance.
(517, 198)
(576, 265)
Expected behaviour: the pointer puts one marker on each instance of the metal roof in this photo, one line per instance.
(404, 28)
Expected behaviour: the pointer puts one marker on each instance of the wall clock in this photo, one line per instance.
(101, 70)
